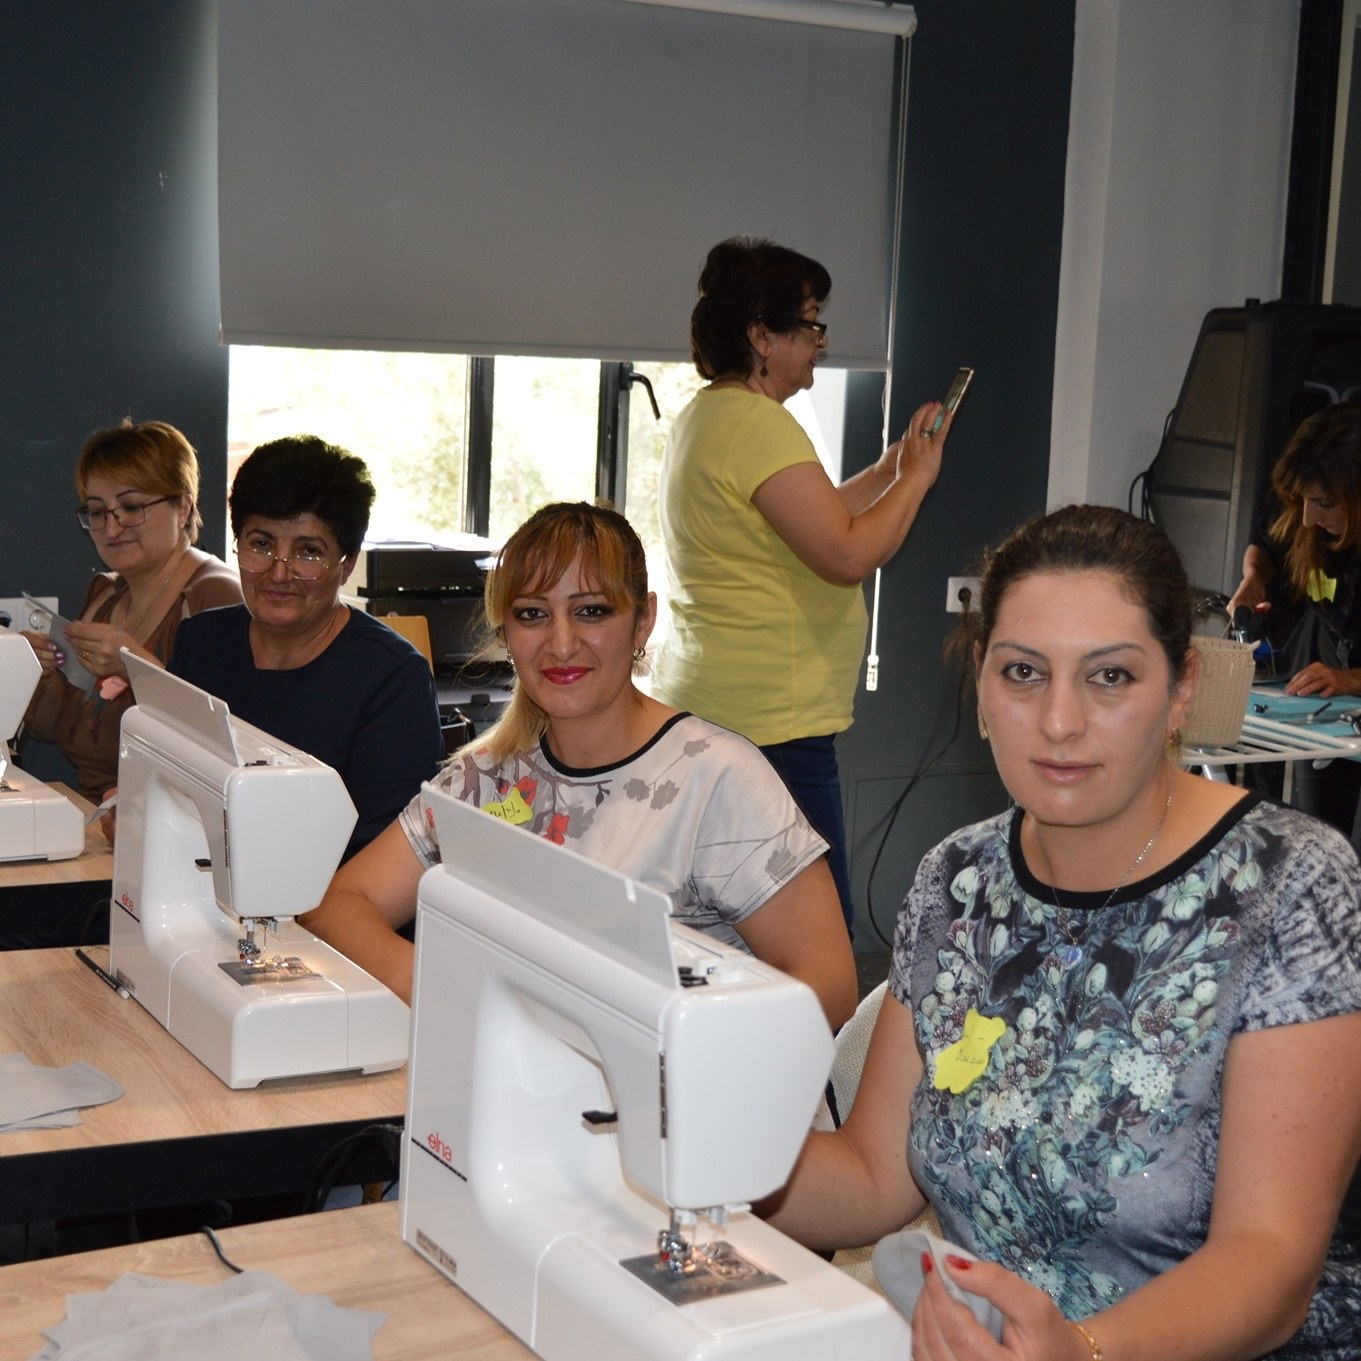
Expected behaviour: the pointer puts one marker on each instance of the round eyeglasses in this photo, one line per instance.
(126, 515)
(304, 565)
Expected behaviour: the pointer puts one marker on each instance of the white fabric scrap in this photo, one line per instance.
(255, 1314)
(32, 1097)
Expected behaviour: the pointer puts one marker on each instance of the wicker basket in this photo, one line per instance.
(1221, 699)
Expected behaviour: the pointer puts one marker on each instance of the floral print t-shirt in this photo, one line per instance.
(1067, 1123)
(698, 813)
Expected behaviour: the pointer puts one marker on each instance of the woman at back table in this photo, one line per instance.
(765, 555)
(297, 662)
(138, 489)
(1313, 545)
(1120, 1054)
(583, 758)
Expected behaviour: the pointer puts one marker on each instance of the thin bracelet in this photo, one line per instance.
(1091, 1342)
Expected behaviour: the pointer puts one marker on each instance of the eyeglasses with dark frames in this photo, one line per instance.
(126, 515)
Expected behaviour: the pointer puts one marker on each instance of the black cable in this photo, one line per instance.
(217, 1248)
(914, 779)
(1145, 511)
(104, 906)
(387, 1139)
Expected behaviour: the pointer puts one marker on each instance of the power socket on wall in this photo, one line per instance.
(958, 590)
(17, 613)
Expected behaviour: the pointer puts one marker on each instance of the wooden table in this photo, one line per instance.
(355, 1256)
(45, 903)
(178, 1134)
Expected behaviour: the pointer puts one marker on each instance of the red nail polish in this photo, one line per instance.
(926, 1264)
(959, 1263)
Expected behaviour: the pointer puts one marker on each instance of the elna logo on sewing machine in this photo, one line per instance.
(437, 1148)
(128, 906)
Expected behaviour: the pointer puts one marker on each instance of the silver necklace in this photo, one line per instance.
(1071, 954)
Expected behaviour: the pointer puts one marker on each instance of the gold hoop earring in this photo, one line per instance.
(639, 653)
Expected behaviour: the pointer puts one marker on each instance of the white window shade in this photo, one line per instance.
(541, 176)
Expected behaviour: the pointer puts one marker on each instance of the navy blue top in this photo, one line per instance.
(365, 706)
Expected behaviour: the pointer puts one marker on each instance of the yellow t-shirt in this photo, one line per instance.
(759, 643)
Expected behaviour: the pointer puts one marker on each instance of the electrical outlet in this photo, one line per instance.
(17, 613)
(955, 588)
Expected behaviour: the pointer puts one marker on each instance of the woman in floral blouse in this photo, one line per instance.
(1121, 1054)
(583, 758)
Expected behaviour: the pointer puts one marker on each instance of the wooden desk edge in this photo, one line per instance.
(355, 1256)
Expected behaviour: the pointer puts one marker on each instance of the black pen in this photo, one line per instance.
(103, 973)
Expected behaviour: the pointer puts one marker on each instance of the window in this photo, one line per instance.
(413, 419)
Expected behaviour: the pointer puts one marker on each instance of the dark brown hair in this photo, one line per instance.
(745, 280)
(1089, 539)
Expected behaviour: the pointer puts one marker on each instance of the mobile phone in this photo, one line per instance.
(959, 385)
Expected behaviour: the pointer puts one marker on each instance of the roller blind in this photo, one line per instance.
(541, 176)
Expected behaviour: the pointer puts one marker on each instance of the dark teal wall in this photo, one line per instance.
(109, 308)
(108, 246)
(987, 144)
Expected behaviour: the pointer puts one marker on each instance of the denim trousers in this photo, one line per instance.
(807, 765)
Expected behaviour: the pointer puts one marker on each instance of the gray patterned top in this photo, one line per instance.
(698, 813)
(1074, 1133)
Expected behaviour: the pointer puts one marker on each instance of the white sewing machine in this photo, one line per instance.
(224, 835)
(36, 823)
(589, 1083)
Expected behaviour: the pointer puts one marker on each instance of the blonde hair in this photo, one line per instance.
(153, 457)
(611, 558)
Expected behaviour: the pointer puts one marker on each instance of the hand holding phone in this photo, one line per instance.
(959, 385)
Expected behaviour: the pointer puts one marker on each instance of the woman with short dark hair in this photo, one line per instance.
(297, 662)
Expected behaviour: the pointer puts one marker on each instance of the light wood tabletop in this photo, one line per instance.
(177, 1133)
(94, 863)
(355, 1256)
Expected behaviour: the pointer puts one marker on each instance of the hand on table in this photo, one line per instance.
(1322, 682)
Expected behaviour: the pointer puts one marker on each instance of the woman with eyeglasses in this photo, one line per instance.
(138, 489)
(294, 659)
(765, 554)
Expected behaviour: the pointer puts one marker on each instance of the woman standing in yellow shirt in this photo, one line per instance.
(765, 555)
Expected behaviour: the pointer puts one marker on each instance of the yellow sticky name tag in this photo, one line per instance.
(1320, 587)
(512, 809)
(961, 1064)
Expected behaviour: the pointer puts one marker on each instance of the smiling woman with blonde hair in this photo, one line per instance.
(583, 758)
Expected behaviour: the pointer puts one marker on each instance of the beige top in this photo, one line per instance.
(85, 727)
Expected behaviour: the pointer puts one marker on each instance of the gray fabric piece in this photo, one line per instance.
(255, 1314)
(898, 1268)
(32, 1097)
